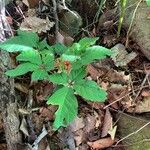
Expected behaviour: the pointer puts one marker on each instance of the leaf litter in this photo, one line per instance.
(94, 127)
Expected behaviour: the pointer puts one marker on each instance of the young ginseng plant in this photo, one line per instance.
(63, 66)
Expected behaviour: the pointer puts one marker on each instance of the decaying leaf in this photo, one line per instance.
(77, 124)
(143, 106)
(36, 24)
(23, 127)
(107, 123)
(121, 57)
(101, 143)
(112, 132)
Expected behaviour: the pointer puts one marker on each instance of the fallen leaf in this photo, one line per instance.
(23, 127)
(22, 88)
(101, 143)
(112, 132)
(143, 106)
(48, 112)
(120, 56)
(77, 124)
(107, 125)
(35, 24)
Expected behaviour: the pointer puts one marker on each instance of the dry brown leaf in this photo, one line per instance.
(48, 113)
(101, 143)
(22, 88)
(120, 56)
(94, 73)
(107, 125)
(35, 24)
(112, 132)
(77, 124)
(145, 93)
(23, 127)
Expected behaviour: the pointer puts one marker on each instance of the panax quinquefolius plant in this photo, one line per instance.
(63, 66)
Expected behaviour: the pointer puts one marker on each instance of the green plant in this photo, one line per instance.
(61, 65)
(148, 2)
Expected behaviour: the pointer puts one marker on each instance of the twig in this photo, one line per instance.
(121, 98)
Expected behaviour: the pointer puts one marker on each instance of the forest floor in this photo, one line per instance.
(118, 124)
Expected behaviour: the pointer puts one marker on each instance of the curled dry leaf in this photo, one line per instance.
(101, 143)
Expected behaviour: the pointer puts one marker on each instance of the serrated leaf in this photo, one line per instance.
(75, 48)
(148, 2)
(90, 91)
(39, 74)
(43, 45)
(95, 52)
(31, 56)
(59, 48)
(76, 75)
(86, 42)
(71, 58)
(24, 41)
(22, 69)
(59, 78)
(48, 60)
(67, 109)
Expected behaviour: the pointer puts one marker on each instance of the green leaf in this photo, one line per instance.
(90, 91)
(86, 42)
(148, 2)
(75, 48)
(59, 48)
(59, 78)
(31, 56)
(95, 52)
(76, 75)
(39, 74)
(48, 60)
(67, 109)
(71, 58)
(22, 69)
(24, 41)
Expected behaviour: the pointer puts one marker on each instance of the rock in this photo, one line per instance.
(130, 124)
(141, 25)
(70, 22)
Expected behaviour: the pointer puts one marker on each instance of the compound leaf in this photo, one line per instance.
(95, 52)
(67, 106)
(90, 91)
(22, 69)
(31, 56)
(24, 41)
(59, 78)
